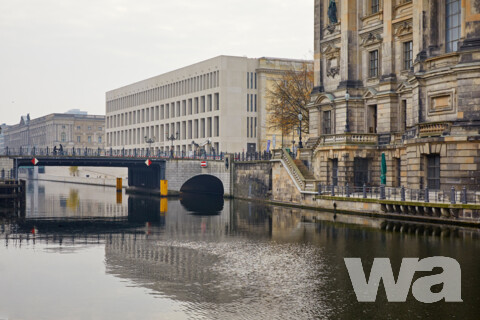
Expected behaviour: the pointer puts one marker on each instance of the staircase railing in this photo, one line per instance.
(302, 183)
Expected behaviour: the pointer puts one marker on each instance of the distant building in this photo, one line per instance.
(76, 111)
(71, 130)
(3, 127)
(221, 100)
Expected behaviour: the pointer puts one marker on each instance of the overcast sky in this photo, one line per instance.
(57, 55)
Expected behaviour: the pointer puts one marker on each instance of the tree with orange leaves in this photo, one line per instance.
(289, 97)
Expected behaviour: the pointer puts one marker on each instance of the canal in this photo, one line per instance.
(86, 252)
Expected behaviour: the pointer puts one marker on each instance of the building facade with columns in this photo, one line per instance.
(71, 130)
(397, 77)
(219, 103)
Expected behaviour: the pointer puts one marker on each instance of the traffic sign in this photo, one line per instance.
(148, 162)
(203, 164)
(35, 161)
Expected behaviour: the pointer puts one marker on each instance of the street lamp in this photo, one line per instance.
(172, 138)
(347, 97)
(149, 141)
(300, 145)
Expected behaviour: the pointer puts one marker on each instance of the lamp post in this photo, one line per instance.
(172, 138)
(149, 141)
(300, 145)
(347, 97)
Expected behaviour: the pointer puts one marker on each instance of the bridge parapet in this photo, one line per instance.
(179, 171)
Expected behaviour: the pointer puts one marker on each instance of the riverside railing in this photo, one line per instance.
(451, 196)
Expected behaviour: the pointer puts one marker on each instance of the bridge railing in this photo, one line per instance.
(110, 152)
(133, 153)
(253, 156)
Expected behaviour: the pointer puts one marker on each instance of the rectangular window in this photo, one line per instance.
(248, 81)
(433, 171)
(403, 113)
(255, 130)
(248, 102)
(255, 80)
(90, 128)
(209, 127)
(372, 118)
(373, 70)
(453, 25)
(361, 172)
(89, 139)
(251, 80)
(251, 127)
(327, 122)
(209, 102)
(251, 102)
(335, 172)
(217, 126)
(255, 103)
(202, 128)
(79, 128)
(398, 166)
(217, 101)
(375, 6)
(99, 139)
(248, 127)
(78, 138)
(407, 55)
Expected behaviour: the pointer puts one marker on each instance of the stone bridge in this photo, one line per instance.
(185, 175)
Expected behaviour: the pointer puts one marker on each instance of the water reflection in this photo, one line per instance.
(202, 204)
(227, 260)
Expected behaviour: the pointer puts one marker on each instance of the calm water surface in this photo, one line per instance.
(85, 252)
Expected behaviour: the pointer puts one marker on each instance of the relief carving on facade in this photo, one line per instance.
(371, 38)
(403, 28)
(332, 55)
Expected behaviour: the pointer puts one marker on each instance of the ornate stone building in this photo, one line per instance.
(72, 130)
(401, 78)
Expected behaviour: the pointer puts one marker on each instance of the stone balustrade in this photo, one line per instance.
(433, 129)
(349, 138)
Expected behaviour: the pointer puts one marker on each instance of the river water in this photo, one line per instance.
(86, 252)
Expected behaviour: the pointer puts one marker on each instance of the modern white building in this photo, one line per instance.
(219, 102)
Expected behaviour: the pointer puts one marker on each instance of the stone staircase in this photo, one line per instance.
(300, 173)
(303, 169)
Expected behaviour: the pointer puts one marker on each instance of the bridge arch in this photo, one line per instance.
(203, 183)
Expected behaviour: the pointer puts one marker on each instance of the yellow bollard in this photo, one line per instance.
(119, 197)
(119, 184)
(163, 206)
(163, 188)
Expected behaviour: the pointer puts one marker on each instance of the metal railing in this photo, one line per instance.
(451, 196)
(252, 156)
(101, 152)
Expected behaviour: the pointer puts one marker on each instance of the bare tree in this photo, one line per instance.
(288, 98)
